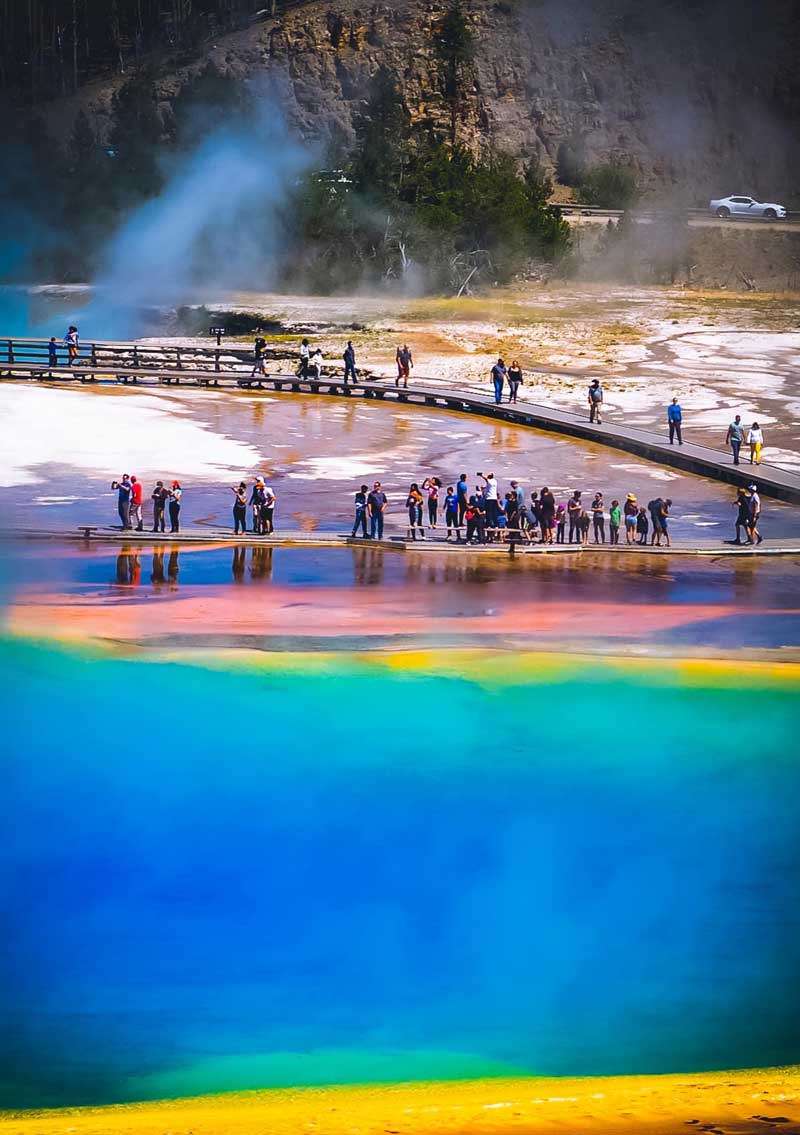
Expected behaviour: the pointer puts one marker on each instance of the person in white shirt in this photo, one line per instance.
(491, 497)
(755, 439)
(315, 364)
(305, 354)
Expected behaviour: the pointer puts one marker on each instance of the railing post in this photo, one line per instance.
(94, 354)
(135, 356)
(178, 354)
(216, 360)
(10, 351)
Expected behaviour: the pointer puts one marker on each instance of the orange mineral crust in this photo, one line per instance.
(332, 612)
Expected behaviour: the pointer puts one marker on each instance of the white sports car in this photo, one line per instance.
(746, 207)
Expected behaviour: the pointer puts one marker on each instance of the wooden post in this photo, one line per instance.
(178, 355)
(135, 356)
(10, 351)
(216, 359)
(94, 354)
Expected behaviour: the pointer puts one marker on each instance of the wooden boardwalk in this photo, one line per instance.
(394, 541)
(226, 368)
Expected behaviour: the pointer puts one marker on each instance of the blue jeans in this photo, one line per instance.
(498, 390)
(376, 526)
(736, 445)
(350, 372)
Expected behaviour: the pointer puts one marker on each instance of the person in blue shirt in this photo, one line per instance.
(499, 373)
(734, 437)
(124, 488)
(52, 353)
(462, 493)
(674, 417)
(451, 512)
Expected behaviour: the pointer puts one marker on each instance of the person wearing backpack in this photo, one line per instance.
(595, 401)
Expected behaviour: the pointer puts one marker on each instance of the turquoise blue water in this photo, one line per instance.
(215, 880)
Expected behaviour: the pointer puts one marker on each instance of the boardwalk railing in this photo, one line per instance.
(113, 357)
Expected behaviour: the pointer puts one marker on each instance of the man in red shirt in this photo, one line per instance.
(136, 504)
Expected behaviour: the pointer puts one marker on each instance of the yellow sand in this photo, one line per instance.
(728, 1102)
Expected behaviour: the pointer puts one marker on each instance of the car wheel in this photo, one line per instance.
(723, 212)
(770, 215)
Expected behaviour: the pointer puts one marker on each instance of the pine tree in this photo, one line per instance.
(454, 45)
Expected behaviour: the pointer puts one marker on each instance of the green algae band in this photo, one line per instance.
(220, 877)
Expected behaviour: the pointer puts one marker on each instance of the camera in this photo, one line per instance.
(114, 485)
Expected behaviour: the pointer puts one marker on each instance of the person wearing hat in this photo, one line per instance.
(630, 511)
(674, 418)
(175, 494)
(753, 515)
(595, 401)
(257, 500)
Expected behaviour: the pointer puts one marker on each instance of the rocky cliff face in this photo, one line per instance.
(701, 98)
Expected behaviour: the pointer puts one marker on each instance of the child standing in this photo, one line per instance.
(561, 523)
(642, 525)
(451, 512)
(583, 525)
(614, 518)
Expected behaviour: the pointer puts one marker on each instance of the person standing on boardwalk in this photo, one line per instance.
(240, 509)
(259, 355)
(595, 398)
(305, 355)
(360, 518)
(72, 344)
(499, 373)
(660, 515)
(734, 437)
(432, 485)
(414, 506)
(561, 523)
(755, 439)
(451, 513)
(491, 497)
(599, 519)
(462, 493)
(159, 498)
(376, 510)
(654, 508)
(175, 494)
(674, 418)
(614, 518)
(123, 489)
(268, 511)
(136, 505)
(630, 511)
(514, 380)
(405, 362)
(574, 510)
(257, 499)
(349, 357)
(583, 524)
(476, 520)
(641, 527)
(52, 353)
(547, 505)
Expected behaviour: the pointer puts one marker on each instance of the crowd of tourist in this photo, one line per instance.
(482, 514)
(130, 504)
(485, 514)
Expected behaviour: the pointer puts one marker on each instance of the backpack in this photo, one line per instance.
(596, 393)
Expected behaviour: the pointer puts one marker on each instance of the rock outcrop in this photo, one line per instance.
(701, 98)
